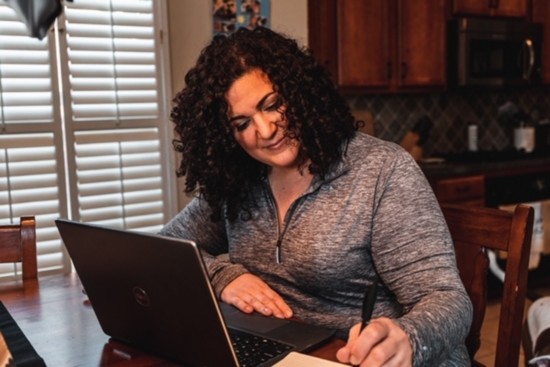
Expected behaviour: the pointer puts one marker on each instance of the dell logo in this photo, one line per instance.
(141, 296)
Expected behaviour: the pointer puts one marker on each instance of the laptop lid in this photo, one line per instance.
(153, 292)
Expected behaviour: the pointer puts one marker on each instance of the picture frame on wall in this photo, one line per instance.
(230, 15)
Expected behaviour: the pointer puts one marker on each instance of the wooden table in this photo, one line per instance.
(56, 317)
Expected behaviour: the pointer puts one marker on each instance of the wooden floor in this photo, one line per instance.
(486, 353)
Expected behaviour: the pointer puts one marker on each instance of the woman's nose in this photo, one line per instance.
(266, 125)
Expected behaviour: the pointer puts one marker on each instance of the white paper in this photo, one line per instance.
(537, 240)
(538, 319)
(542, 361)
(295, 359)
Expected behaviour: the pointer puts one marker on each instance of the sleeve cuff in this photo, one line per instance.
(225, 275)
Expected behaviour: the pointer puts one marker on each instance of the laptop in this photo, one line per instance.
(153, 292)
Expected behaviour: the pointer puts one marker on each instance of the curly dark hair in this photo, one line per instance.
(213, 163)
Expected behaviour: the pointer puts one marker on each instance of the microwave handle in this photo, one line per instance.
(529, 67)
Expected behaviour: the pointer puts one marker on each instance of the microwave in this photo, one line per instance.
(494, 52)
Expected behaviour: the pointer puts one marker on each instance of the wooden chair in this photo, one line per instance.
(473, 230)
(18, 244)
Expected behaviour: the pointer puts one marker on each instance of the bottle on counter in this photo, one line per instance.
(524, 134)
(472, 137)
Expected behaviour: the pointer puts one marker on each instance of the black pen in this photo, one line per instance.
(368, 305)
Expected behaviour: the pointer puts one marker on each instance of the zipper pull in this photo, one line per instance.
(278, 251)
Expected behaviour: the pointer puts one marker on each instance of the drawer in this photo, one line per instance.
(466, 190)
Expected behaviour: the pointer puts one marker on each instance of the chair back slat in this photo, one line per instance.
(10, 235)
(18, 244)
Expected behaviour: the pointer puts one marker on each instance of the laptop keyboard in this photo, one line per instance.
(253, 350)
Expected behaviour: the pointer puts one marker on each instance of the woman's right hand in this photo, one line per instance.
(382, 343)
(249, 293)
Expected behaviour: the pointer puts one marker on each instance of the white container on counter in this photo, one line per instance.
(472, 138)
(524, 138)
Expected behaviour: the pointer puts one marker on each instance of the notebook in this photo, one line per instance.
(153, 292)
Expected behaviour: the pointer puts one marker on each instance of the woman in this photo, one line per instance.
(310, 211)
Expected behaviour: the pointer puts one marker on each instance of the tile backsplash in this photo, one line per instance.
(451, 113)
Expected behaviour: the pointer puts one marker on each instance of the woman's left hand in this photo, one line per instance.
(381, 343)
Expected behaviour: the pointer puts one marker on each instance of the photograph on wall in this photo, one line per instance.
(229, 15)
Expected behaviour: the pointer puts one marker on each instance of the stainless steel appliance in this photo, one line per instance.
(493, 52)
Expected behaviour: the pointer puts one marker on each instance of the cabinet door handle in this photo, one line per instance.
(530, 53)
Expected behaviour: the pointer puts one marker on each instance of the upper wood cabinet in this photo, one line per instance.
(422, 47)
(541, 14)
(501, 8)
(380, 45)
(364, 43)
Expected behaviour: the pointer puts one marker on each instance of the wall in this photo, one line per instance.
(190, 29)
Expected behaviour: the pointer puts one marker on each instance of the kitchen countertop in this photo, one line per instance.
(489, 164)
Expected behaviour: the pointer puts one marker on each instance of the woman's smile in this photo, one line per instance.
(277, 145)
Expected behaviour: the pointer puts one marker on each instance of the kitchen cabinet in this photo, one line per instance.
(500, 8)
(541, 14)
(321, 19)
(380, 45)
(469, 190)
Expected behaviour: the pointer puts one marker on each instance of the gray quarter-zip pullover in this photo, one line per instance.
(374, 218)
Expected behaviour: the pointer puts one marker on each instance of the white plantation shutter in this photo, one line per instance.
(112, 63)
(91, 144)
(31, 178)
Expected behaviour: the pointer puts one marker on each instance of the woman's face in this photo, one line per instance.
(258, 121)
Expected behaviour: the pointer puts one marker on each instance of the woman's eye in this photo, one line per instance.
(240, 125)
(273, 105)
